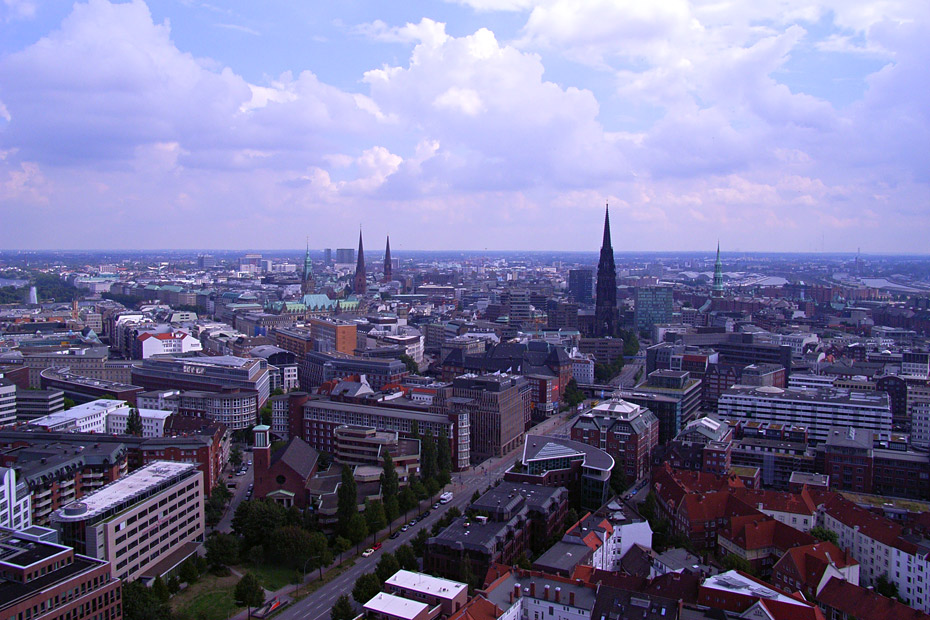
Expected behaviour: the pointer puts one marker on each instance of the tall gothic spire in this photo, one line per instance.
(717, 290)
(306, 285)
(388, 269)
(605, 305)
(360, 284)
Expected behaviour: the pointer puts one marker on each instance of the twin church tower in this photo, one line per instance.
(360, 280)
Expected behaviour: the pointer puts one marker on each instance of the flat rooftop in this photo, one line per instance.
(396, 606)
(94, 407)
(122, 491)
(427, 584)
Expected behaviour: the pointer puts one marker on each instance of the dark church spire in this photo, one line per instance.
(388, 269)
(306, 285)
(360, 284)
(605, 306)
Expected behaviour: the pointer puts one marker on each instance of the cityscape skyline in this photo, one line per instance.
(790, 128)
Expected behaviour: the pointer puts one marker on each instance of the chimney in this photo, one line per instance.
(516, 591)
(546, 592)
(571, 598)
(558, 595)
(533, 589)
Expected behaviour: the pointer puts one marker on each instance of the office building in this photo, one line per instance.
(498, 408)
(32, 404)
(139, 520)
(42, 579)
(87, 418)
(316, 368)
(816, 410)
(581, 285)
(15, 500)
(93, 362)
(672, 396)
(345, 256)
(153, 422)
(449, 596)
(915, 364)
(581, 468)
(84, 390)
(7, 401)
(207, 374)
(148, 344)
(333, 335)
(653, 306)
(627, 432)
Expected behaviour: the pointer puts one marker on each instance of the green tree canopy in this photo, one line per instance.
(444, 452)
(222, 549)
(235, 456)
(141, 603)
(342, 608)
(387, 566)
(249, 592)
(134, 423)
(412, 367)
(357, 528)
(428, 458)
(366, 588)
(572, 395)
(822, 533)
(347, 497)
(406, 557)
(375, 518)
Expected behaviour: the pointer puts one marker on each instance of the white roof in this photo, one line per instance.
(155, 414)
(119, 491)
(395, 606)
(94, 407)
(733, 581)
(427, 584)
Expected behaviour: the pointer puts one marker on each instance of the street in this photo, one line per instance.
(317, 606)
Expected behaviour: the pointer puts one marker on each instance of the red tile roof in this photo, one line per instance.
(860, 602)
(811, 561)
(754, 532)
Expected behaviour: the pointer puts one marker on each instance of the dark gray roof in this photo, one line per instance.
(614, 604)
(562, 557)
(542, 447)
(298, 455)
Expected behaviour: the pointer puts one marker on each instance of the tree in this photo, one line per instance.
(444, 453)
(253, 520)
(141, 603)
(222, 549)
(466, 574)
(134, 423)
(68, 403)
(406, 500)
(264, 414)
(366, 588)
(341, 545)
(342, 609)
(432, 487)
(292, 545)
(822, 533)
(174, 585)
(630, 343)
(235, 456)
(734, 562)
(412, 367)
(389, 487)
(419, 490)
(160, 590)
(387, 566)
(406, 557)
(414, 430)
(428, 457)
(618, 481)
(356, 529)
(572, 395)
(475, 496)
(188, 572)
(375, 518)
(347, 498)
(419, 542)
(885, 587)
(249, 592)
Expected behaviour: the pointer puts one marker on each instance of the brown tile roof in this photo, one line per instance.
(811, 561)
(872, 525)
(478, 608)
(753, 532)
(865, 604)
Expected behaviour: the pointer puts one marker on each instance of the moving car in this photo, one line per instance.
(367, 552)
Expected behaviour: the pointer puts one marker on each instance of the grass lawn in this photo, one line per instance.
(271, 577)
(211, 596)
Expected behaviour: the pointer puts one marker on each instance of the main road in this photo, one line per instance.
(464, 485)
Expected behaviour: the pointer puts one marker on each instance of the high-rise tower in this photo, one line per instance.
(605, 306)
(388, 270)
(360, 284)
(306, 284)
(717, 290)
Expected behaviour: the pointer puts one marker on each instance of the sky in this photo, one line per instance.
(787, 125)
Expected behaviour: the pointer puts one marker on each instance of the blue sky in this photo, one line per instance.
(506, 124)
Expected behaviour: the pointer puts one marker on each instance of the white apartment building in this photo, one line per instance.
(797, 341)
(582, 368)
(153, 422)
(7, 401)
(15, 501)
(881, 548)
(87, 418)
(816, 410)
(915, 364)
(170, 343)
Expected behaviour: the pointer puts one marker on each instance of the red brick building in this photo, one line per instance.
(627, 432)
(284, 476)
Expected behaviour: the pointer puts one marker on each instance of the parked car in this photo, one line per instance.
(376, 546)
(425, 514)
(367, 552)
(404, 527)
(436, 506)
(395, 535)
